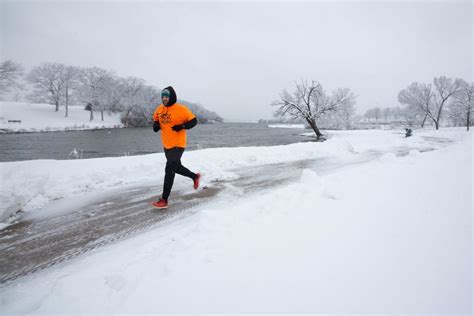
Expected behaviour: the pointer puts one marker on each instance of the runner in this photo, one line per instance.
(173, 119)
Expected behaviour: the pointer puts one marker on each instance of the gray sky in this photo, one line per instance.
(235, 58)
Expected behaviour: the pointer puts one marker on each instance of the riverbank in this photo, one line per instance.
(18, 117)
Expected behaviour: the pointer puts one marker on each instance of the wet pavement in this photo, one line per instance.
(36, 244)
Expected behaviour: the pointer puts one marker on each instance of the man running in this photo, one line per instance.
(173, 119)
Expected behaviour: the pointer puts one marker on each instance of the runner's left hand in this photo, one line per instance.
(177, 128)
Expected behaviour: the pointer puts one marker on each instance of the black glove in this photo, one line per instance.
(156, 126)
(177, 128)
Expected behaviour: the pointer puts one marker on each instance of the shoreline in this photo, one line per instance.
(67, 129)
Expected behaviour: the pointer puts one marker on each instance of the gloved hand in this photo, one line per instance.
(156, 126)
(177, 128)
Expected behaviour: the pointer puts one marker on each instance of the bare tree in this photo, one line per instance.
(386, 113)
(445, 88)
(417, 96)
(377, 113)
(396, 112)
(10, 72)
(430, 102)
(368, 115)
(373, 113)
(455, 115)
(463, 105)
(310, 102)
(49, 81)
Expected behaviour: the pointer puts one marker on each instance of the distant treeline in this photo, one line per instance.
(445, 100)
(99, 90)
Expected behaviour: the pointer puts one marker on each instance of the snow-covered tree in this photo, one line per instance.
(141, 105)
(49, 83)
(462, 107)
(70, 76)
(203, 115)
(396, 113)
(310, 102)
(419, 98)
(53, 83)
(367, 115)
(430, 100)
(386, 112)
(373, 113)
(377, 113)
(93, 89)
(410, 115)
(445, 89)
(132, 98)
(342, 119)
(151, 99)
(10, 73)
(114, 95)
(101, 90)
(110, 96)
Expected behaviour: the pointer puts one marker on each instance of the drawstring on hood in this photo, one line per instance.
(173, 98)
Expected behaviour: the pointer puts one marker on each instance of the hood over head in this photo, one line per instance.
(173, 97)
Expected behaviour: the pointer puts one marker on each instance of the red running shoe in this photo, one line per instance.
(196, 181)
(161, 204)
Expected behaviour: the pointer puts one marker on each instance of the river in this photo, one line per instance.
(138, 141)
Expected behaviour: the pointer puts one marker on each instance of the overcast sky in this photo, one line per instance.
(235, 58)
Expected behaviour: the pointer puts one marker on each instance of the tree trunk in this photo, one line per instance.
(315, 128)
(102, 114)
(438, 118)
(92, 115)
(424, 121)
(468, 119)
(127, 115)
(318, 133)
(56, 102)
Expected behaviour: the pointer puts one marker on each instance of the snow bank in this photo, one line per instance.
(30, 185)
(390, 236)
(43, 118)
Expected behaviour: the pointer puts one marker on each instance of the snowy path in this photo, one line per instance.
(366, 232)
(33, 245)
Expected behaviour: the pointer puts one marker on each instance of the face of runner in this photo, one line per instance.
(165, 100)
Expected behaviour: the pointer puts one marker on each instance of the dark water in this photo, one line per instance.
(138, 141)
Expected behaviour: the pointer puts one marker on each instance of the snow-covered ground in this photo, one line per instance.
(30, 185)
(286, 125)
(43, 118)
(393, 235)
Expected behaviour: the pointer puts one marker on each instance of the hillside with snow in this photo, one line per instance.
(36, 117)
